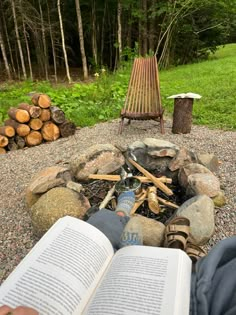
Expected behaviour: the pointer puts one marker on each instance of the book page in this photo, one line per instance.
(62, 270)
(144, 280)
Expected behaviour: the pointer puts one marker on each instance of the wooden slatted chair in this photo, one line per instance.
(143, 99)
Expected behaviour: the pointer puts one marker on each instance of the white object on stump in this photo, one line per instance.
(183, 107)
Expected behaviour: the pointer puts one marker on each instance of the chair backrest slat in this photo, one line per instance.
(143, 94)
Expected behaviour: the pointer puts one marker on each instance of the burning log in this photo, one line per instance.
(154, 179)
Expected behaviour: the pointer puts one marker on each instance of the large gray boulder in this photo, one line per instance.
(153, 231)
(189, 169)
(200, 211)
(55, 204)
(45, 180)
(208, 160)
(153, 154)
(98, 159)
(203, 184)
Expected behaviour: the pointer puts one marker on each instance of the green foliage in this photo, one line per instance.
(102, 99)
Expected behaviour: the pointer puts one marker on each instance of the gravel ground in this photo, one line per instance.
(18, 167)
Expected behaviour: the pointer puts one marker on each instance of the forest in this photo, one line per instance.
(72, 39)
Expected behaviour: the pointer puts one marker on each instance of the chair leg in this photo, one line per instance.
(162, 125)
(121, 127)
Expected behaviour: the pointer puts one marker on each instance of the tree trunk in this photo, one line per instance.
(182, 117)
(4, 55)
(102, 33)
(44, 41)
(28, 50)
(63, 41)
(35, 123)
(81, 39)
(41, 100)
(119, 31)
(144, 30)
(21, 129)
(33, 138)
(18, 39)
(20, 115)
(34, 111)
(9, 46)
(7, 131)
(94, 33)
(57, 115)
(53, 45)
(67, 129)
(50, 131)
(45, 115)
(152, 29)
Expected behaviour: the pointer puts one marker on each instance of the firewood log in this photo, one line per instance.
(45, 115)
(35, 123)
(12, 146)
(50, 131)
(3, 141)
(34, 111)
(20, 141)
(42, 100)
(7, 131)
(21, 129)
(3, 151)
(19, 115)
(57, 115)
(33, 138)
(67, 129)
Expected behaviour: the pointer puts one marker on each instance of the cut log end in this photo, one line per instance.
(3, 141)
(3, 151)
(33, 138)
(67, 129)
(19, 115)
(50, 131)
(7, 131)
(41, 100)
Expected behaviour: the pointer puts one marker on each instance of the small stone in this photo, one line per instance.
(219, 200)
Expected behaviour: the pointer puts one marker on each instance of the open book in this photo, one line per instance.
(73, 270)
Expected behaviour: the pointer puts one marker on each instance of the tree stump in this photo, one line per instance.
(182, 117)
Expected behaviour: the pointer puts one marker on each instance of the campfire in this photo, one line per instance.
(167, 181)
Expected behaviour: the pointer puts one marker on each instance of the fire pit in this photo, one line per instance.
(167, 180)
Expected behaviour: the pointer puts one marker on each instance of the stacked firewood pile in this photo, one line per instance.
(30, 125)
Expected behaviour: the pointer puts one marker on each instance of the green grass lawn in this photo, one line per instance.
(214, 80)
(102, 98)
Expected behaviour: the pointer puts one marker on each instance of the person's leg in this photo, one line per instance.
(213, 284)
